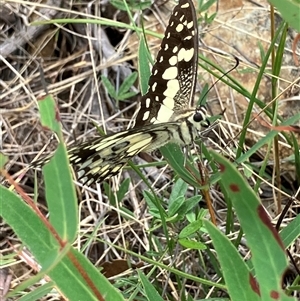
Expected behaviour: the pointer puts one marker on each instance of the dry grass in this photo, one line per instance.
(67, 60)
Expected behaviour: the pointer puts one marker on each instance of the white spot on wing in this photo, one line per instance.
(175, 49)
(116, 168)
(146, 115)
(95, 170)
(104, 145)
(154, 87)
(147, 102)
(164, 113)
(170, 73)
(186, 5)
(185, 54)
(179, 27)
(172, 88)
(139, 146)
(173, 60)
(190, 25)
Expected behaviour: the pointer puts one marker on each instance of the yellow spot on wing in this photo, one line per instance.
(146, 115)
(190, 25)
(165, 112)
(173, 60)
(186, 5)
(185, 54)
(170, 73)
(179, 27)
(172, 88)
(139, 146)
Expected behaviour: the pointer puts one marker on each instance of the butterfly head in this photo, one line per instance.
(197, 117)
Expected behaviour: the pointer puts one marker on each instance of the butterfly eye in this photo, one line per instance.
(198, 116)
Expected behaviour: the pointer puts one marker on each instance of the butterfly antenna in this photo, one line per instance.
(237, 62)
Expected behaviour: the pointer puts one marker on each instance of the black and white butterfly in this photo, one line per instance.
(164, 115)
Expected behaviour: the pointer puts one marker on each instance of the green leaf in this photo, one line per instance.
(209, 19)
(123, 189)
(279, 55)
(150, 200)
(150, 291)
(110, 194)
(297, 157)
(134, 5)
(262, 238)
(235, 271)
(192, 244)
(26, 224)
(258, 145)
(179, 189)
(289, 10)
(173, 154)
(76, 287)
(3, 160)
(291, 232)
(189, 205)
(39, 292)
(47, 251)
(175, 205)
(206, 5)
(109, 87)
(203, 96)
(126, 96)
(60, 191)
(190, 229)
(143, 66)
(127, 84)
(254, 92)
(60, 195)
(50, 243)
(261, 50)
(49, 113)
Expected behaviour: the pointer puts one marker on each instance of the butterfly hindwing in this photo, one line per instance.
(107, 155)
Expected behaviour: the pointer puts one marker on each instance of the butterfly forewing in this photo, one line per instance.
(172, 82)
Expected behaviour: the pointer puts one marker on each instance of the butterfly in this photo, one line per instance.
(164, 114)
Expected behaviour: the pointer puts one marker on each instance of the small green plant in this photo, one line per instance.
(123, 92)
(179, 250)
(132, 4)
